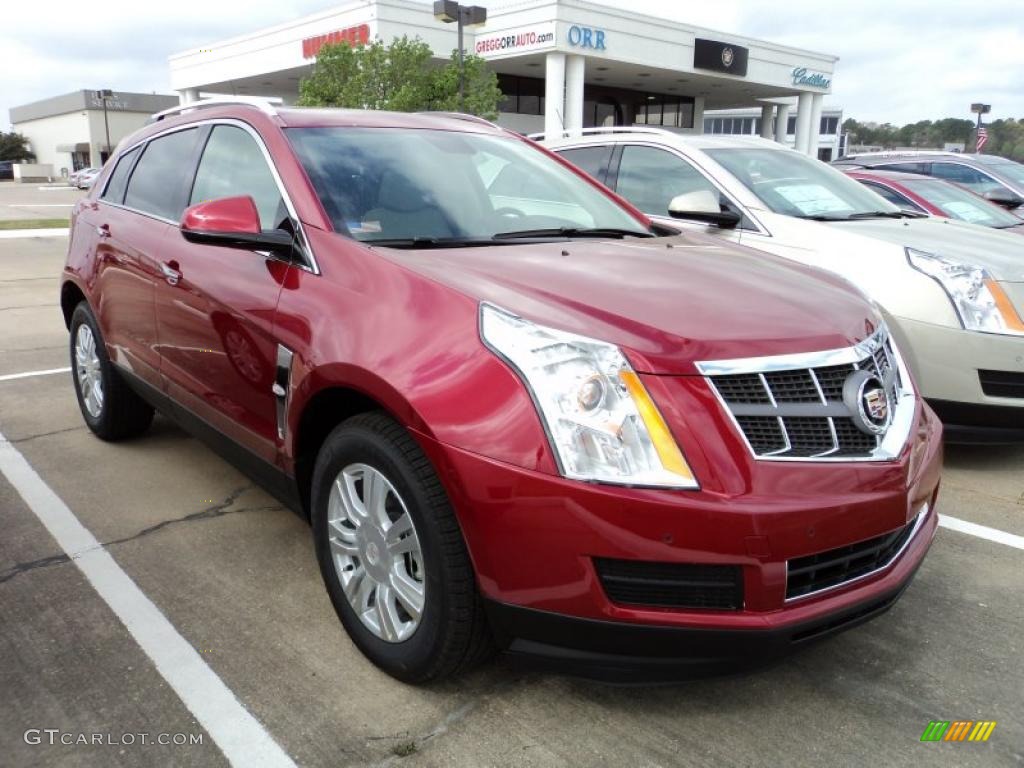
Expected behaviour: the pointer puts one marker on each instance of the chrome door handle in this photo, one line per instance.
(170, 274)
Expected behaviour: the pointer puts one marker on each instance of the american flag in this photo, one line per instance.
(982, 137)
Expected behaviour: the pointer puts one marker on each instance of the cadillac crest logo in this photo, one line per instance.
(868, 401)
(727, 56)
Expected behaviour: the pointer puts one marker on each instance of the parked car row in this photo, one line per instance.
(84, 178)
(521, 410)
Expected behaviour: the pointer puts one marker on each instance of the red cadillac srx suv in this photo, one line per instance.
(515, 414)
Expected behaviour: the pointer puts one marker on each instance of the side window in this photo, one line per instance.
(118, 181)
(233, 164)
(965, 176)
(650, 177)
(593, 160)
(891, 195)
(157, 183)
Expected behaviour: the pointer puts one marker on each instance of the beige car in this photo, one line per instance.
(953, 292)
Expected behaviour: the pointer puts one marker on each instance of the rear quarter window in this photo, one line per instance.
(118, 182)
(157, 185)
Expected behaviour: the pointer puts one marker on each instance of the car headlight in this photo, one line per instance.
(980, 302)
(602, 424)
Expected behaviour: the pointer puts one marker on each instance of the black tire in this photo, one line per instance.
(123, 413)
(452, 635)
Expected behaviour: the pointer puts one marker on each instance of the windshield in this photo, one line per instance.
(430, 186)
(793, 184)
(958, 203)
(1010, 169)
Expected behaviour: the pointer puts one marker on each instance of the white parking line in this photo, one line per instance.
(41, 205)
(242, 739)
(30, 374)
(9, 234)
(982, 531)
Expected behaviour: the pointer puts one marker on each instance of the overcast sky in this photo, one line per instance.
(900, 60)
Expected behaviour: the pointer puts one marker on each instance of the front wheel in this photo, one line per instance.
(392, 555)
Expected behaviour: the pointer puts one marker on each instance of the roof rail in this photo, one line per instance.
(459, 116)
(263, 105)
(566, 134)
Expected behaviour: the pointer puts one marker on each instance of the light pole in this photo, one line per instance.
(448, 11)
(103, 95)
(979, 109)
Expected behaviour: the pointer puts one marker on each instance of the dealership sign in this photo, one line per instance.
(532, 38)
(357, 35)
(720, 57)
(585, 37)
(814, 79)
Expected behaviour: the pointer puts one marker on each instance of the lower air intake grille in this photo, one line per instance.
(671, 585)
(1002, 383)
(825, 570)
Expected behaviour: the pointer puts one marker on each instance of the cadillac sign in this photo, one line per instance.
(814, 79)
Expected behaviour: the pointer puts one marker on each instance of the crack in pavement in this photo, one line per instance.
(217, 510)
(16, 440)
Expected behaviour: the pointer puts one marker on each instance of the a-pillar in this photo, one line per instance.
(782, 124)
(767, 110)
(554, 95)
(574, 66)
(803, 122)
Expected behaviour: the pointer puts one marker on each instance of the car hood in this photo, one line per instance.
(667, 302)
(1001, 253)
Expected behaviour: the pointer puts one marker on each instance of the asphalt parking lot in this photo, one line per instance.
(37, 201)
(235, 575)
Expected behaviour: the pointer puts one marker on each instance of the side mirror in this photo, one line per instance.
(1004, 197)
(232, 222)
(702, 205)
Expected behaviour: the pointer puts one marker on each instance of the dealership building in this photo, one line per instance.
(561, 64)
(79, 129)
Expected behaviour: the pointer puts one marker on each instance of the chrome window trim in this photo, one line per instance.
(313, 266)
(918, 523)
(895, 438)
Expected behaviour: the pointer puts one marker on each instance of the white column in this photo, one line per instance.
(803, 122)
(188, 95)
(782, 124)
(698, 114)
(815, 132)
(767, 110)
(574, 66)
(554, 94)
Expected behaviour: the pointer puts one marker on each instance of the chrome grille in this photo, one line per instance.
(792, 407)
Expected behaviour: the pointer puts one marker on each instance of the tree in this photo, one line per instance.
(14, 146)
(401, 77)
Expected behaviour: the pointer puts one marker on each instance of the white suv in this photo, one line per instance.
(953, 293)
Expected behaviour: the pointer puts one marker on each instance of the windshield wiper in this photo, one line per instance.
(865, 215)
(573, 232)
(429, 242)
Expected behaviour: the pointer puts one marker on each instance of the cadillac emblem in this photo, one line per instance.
(727, 56)
(868, 400)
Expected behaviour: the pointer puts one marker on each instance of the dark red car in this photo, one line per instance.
(913, 191)
(514, 412)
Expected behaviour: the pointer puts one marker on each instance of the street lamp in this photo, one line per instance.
(448, 11)
(103, 95)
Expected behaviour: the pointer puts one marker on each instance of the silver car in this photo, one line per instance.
(952, 292)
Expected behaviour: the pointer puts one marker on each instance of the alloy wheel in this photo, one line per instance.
(88, 371)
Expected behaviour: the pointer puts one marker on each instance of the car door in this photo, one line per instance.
(650, 177)
(215, 306)
(977, 181)
(129, 222)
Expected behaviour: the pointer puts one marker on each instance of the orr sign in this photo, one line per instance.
(357, 35)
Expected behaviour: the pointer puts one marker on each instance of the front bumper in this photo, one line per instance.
(946, 362)
(533, 539)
